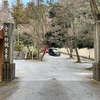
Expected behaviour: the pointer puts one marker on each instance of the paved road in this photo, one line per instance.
(56, 78)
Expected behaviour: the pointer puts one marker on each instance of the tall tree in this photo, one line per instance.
(96, 15)
(66, 18)
(18, 12)
(37, 17)
(18, 15)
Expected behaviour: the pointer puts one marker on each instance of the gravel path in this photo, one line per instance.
(55, 78)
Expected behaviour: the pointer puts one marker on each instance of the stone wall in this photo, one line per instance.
(18, 55)
(84, 52)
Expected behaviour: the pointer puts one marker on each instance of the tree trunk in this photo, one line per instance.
(71, 56)
(42, 56)
(38, 55)
(96, 64)
(75, 43)
(71, 49)
(69, 45)
(94, 9)
(67, 50)
(97, 43)
(77, 54)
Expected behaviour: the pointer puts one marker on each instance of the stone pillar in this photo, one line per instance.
(96, 64)
(5, 5)
(8, 68)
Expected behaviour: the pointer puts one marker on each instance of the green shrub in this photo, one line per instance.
(35, 52)
(18, 47)
(29, 54)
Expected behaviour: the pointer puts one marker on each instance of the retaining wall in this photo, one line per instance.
(84, 52)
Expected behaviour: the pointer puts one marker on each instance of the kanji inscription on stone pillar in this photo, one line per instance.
(6, 44)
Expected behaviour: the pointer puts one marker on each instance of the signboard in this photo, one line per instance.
(6, 44)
